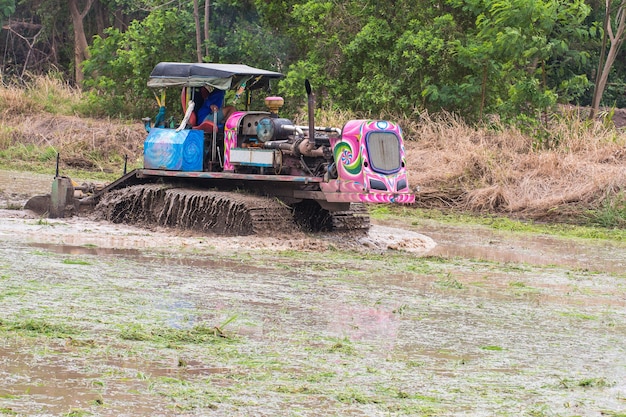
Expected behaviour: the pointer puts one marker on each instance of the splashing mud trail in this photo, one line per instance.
(227, 213)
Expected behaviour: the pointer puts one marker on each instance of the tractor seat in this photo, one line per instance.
(207, 126)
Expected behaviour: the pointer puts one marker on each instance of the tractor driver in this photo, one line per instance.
(212, 105)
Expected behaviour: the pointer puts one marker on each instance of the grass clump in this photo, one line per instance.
(594, 382)
(343, 346)
(585, 383)
(611, 213)
(75, 262)
(171, 336)
(78, 412)
(38, 327)
(352, 396)
(450, 282)
(494, 348)
(578, 315)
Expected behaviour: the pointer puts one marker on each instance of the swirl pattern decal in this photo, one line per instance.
(348, 159)
(230, 137)
(172, 150)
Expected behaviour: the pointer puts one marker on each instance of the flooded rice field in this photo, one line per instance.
(417, 320)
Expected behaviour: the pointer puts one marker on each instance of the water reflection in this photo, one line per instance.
(141, 256)
(492, 245)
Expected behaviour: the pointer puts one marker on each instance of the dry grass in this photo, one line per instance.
(36, 124)
(498, 170)
(91, 144)
(42, 93)
(78, 138)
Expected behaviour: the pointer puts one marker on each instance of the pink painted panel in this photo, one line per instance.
(355, 170)
(230, 137)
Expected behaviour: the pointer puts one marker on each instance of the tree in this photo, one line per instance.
(196, 18)
(80, 39)
(616, 39)
(207, 15)
(520, 47)
(121, 62)
(471, 57)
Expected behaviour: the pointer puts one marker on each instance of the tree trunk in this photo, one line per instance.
(102, 17)
(196, 16)
(616, 40)
(80, 39)
(207, 5)
(120, 20)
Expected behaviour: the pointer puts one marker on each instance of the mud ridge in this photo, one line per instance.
(225, 213)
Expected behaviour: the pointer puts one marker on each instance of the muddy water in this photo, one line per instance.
(103, 319)
(16, 187)
(481, 243)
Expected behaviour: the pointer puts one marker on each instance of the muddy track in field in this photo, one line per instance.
(113, 319)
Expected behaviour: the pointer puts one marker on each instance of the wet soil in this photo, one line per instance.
(201, 210)
(114, 320)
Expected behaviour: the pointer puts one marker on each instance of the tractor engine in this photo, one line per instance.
(266, 143)
(301, 155)
(271, 129)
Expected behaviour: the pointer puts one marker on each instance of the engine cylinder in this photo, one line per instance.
(270, 128)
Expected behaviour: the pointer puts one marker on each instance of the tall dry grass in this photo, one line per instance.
(39, 119)
(41, 93)
(499, 169)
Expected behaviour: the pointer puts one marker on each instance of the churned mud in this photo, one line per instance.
(226, 213)
(110, 319)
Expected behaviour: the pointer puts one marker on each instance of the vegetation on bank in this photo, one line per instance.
(571, 170)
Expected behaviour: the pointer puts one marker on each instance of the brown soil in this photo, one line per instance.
(195, 209)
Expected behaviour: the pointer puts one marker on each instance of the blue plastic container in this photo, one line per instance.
(174, 151)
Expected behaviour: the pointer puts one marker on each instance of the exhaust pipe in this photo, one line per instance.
(311, 110)
(301, 146)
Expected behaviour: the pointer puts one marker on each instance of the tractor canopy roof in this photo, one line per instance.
(221, 76)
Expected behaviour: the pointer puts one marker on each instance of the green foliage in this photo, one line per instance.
(450, 282)
(590, 230)
(7, 8)
(197, 335)
(492, 347)
(612, 212)
(121, 63)
(37, 327)
(238, 36)
(526, 42)
(473, 58)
